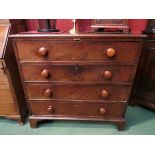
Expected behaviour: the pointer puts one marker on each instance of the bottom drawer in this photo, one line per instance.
(64, 108)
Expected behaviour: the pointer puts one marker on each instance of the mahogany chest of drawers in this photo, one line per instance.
(77, 77)
(12, 99)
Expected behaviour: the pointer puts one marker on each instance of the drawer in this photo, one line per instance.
(77, 73)
(69, 109)
(77, 92)
(85, 50)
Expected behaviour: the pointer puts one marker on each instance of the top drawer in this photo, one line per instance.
(71, 50)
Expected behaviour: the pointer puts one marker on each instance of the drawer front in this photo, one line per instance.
(84, 50)
(77, 92)
(77, 73)
(78, 109)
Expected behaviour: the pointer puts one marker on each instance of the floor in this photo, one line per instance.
(140, 121)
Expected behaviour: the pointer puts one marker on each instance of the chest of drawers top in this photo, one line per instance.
(28, 35)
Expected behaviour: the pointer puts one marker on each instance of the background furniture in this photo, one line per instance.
(77, 77)
(110, 25)
(85, 25)
(144, 86)
(12, 99)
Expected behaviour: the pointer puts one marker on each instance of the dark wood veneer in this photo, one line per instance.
(89, 50)
(61, 108)
(77, 73)
(77, 91)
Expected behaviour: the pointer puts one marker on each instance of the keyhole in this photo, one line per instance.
(76, 68)
(76, 45)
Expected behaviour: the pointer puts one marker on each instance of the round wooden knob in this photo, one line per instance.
(45, 73)
(48, 93)
(43, 51)
(102, 111)
(104, 93)
(107, 74)
(110, 52)
(50, 109)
